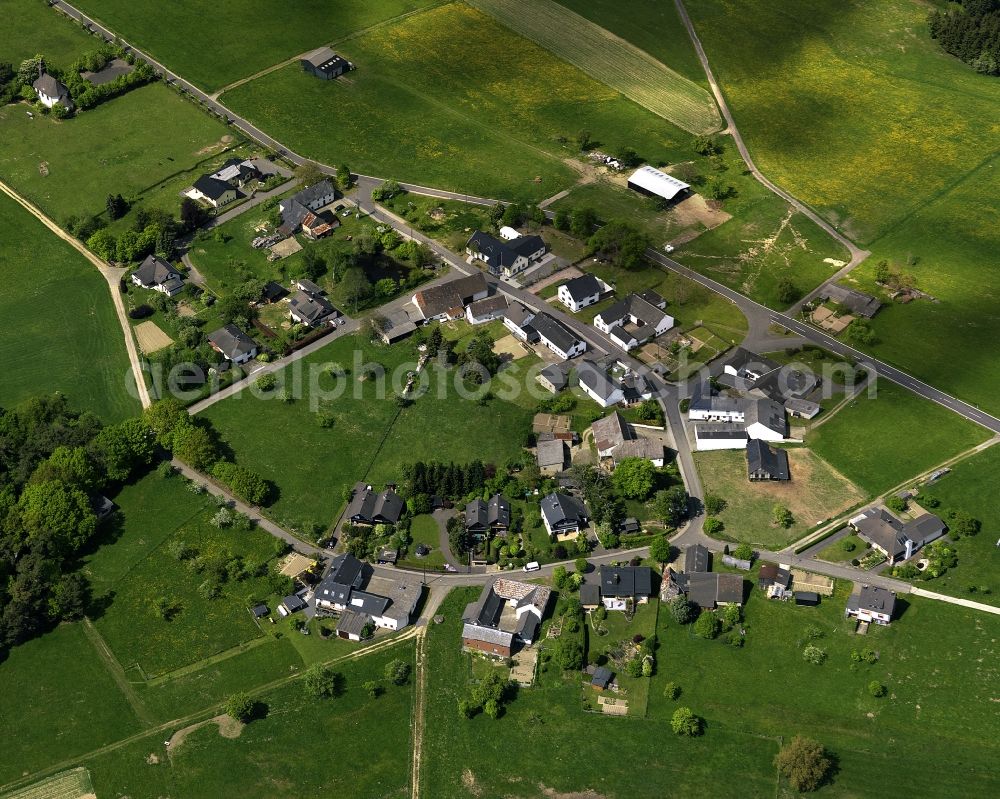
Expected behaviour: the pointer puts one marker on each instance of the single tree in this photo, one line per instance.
(397, 671)
(633, 477)
(659, 549)
(240, 706)
(803, 762)
(707, 625)
(684, 722)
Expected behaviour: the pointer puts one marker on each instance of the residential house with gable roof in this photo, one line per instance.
(635, 320)
(506, 616)
(156, 274)
(505, 257)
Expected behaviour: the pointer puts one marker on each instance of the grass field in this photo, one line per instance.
(609, 59)
(878, 443)
(371, 438)
(438, 99)
(424, 530)
(649, 25)
(835, 552)
(77, 347)
(815, 493)
(65, 703)
(185, 34)
(563, 750)
(157, 512)
(155, 134)
(287, 753)
(970, 487)
(854, 109)
(31, 28)
(938, 662)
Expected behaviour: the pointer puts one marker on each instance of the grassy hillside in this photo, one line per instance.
(439, 98)
(214, 44)
(854, 109)
(58, 328)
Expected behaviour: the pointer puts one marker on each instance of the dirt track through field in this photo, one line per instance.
(110, 273)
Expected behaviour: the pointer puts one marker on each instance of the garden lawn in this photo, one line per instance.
(438, 99)
(58, 327)
(835, 552)
(938, 661)
(814, 494)
(200, 628)
(854, 109)
(184, 35)
(620, 630)
(424, 530)
(561, 747)
(32, 28)
(971, 487)
(59, 701)
(122, 147)
(879, 443)
(285, 754)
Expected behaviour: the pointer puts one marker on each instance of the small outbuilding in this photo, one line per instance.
(602, 678)
(259, 611)
(808, 598)
(325, 64)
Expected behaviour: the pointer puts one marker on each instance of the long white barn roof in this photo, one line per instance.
(652, 179)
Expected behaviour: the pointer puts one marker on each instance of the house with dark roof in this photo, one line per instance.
(625, 586)
(325, 64)
(696, 559)
(554, 377)
(563, 515)
(506, 616)
(517, 319)
(483, 519)
(351, 588)
(765, 419)
(578, 293)
(486, 310)
(292, 604)
(601, 678)
(238, 172)
(557, 337)
(346, 574)
(635, 320)
(156, 274)
(505, 258)
(710, 590)
(871, 603)
(609, 433)
(598, 384)
(213, 191)
(295, 209)
(707, 406)
(720, 435)
(771, 576)
(233, 344)
(765, 463)
(894, 538)
(448, 300)
(51, 91)
(312, 310)
(857, 302)
(273, 292)
(368, 508)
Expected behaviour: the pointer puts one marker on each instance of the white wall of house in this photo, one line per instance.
(579, 347)
(613, 602)
(616, 396)
(574, 305)
(707, 444)
(319, 202)
(763, 432)
(698, 415)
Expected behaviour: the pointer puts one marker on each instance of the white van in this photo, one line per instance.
(532, 567)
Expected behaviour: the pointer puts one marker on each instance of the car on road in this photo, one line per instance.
(532, 567)
(668, 248)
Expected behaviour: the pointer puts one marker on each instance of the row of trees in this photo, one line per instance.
(971, 33)
(450, 480)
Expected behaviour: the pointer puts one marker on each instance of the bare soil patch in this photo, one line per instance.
(695, 210)
(555, 277)
(151, 338)
(228, 728)
(220, 144)
(510, 346)
(551, 793)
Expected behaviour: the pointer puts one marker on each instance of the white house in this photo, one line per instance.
(233, 344)
(482, 311)
(635, 320)
(578, 293)
(51, 91)
(765, 420)
(517, 319)
(557, 337)
(597, 385)
(213, 191)
(156, 274)
(720, 435)
(872, 604)
(708, 407)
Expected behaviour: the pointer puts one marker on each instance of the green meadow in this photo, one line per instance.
(58, 327)
(438, 99)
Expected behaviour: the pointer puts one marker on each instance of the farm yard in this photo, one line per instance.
(855, 110)
(609, 59)
(815, 493)
(879, 442)
(185, 34)
(69, 167)
(59, 330)
(416, 109)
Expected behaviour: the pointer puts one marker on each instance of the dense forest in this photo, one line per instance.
(971, 33)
